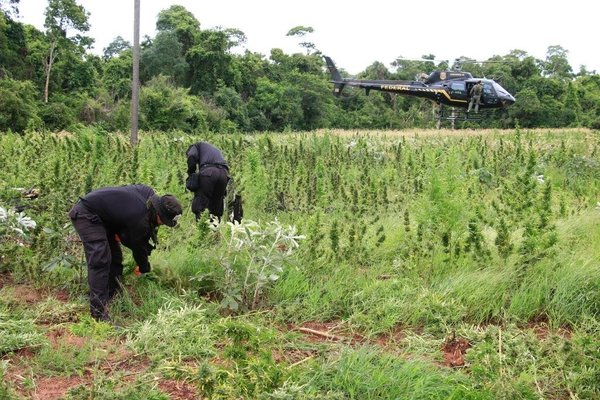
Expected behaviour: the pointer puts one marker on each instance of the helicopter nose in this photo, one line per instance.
(507, 100)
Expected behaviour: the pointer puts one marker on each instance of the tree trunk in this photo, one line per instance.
(135, 85)
(48, 67)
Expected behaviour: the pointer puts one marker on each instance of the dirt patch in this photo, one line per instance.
(123, 362)
(58, 337)
(392, 338)
(293, 356)
(5, 278)
(454, 352)
(177, 390)
(52, 388)
(542, 331)
(26, 294)
(129, 367)
(62, 295)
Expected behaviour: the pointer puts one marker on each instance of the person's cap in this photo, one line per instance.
(168, 208)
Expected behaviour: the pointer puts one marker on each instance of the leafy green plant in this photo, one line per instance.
(15, 238)
(17, 332)
(88, 327)
(253, 260)
(114, 389)
(66, 258)
(174, 333)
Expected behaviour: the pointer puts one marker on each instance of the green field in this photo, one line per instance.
(369, 265)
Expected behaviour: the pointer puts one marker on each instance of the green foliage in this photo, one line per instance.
(253, 259)
(369, 374)
(174, 333)
(164, 107)
(15, 232)
(18, 106)
(164, 58)
(116, 48)
(57, 116)
(17, 332)
(411, 237)
(5, 392)
(114, 389)
(250, 92)
(182, 22)
(88, 327)
(516, 364)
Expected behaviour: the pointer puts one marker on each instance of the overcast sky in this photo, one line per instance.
(355, 34)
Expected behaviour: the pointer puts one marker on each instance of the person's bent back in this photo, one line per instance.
(208, 174)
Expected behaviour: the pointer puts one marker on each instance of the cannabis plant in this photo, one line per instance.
(254, 258)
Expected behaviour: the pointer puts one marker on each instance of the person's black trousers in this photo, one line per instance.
(104, 259)
(212, 186)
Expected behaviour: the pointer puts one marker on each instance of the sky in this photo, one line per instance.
(356, 34)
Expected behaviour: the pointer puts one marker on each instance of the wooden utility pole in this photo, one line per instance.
(135, 85)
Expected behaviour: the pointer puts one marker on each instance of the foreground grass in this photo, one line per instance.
(432, 266)
(184, 348)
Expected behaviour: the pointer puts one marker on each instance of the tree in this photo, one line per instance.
(572, 113)
(10, 7)
(117, 76)
(246, 71)
(409, 69)
(12, 47)
(235, 108)
(164, 57)
(18, 109)
(62, 16)
(210, 62)
(236, 37)
(116, 47)
(300, 31)
(557, 64)
(527, 110)
(165, 107)
(182, 22)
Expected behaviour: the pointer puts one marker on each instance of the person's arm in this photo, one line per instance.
(192, 159)
(137, 238)
(141, 250)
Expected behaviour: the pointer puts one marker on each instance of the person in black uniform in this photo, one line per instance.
(208, 174)
(130, 215)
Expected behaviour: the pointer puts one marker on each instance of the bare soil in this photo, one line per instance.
(454, 351)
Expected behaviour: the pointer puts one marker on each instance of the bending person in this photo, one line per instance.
(130, 215)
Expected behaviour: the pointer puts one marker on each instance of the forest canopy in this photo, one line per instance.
(192, 80)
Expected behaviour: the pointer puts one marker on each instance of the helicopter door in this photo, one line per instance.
(458, 90)
(489, 94)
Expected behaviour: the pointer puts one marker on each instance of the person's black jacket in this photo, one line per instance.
(123, 210)
(203, 154)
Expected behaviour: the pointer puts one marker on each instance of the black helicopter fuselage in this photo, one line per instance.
(443, 87)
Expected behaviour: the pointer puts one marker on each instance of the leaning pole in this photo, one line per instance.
(135, 85)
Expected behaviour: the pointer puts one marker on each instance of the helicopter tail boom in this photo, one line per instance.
(337, 80)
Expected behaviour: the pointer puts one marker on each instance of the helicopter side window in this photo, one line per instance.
(458, 88)
(488, 90)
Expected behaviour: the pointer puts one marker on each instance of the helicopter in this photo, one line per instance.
(450, 88)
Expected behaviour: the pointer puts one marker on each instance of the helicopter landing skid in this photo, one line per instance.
(461, 115)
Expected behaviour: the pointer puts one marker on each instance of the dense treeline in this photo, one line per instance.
(192, 80)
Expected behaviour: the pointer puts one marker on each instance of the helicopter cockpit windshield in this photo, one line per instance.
(504, 96)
